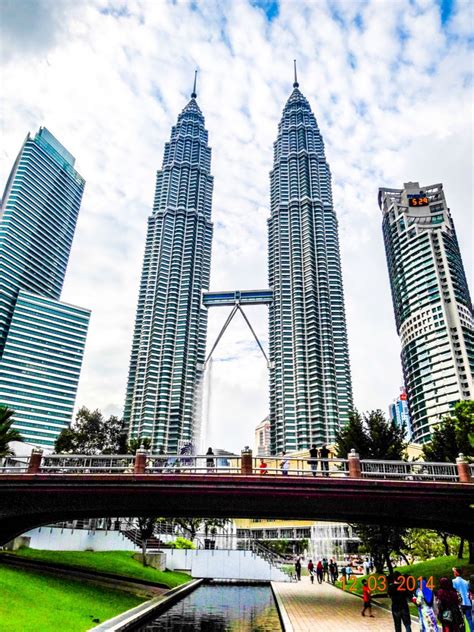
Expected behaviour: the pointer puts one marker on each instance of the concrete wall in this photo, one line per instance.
(56, 539)
(222, 564)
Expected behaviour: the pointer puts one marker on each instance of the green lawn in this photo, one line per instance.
(117, 562)
(31, 601)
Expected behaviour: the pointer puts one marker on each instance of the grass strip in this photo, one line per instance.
(32, 601)
(117, 562)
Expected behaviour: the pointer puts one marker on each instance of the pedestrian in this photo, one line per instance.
(371, 565)
(313, 461)
(284, 465)
(209, 460)
(324, 455)
(325, 570)
(311, 571)
(298, 569)
(366, 598)
(424, 600)
(471, 594)
(319, 572)
(366, 566)
(399, 596)
(335, 572)
(263, 467)
(348, 571)
(462, 586)
(449, 612)
(332, 571)
(160, 463)
(343, 573)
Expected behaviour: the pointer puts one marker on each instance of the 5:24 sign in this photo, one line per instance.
(417, 200)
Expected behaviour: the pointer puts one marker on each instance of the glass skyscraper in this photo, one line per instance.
(41, 340)
(169, 341)
(310, 381)
(399, 413)
(433, 310)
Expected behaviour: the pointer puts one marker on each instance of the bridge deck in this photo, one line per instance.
(242, 297)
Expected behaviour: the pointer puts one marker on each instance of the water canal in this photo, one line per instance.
(221, 608)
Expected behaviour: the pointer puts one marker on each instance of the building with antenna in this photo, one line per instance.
(431, 301)
(169, 341)
(310, 381)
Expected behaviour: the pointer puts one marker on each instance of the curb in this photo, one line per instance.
(129, 619)
(286, 624)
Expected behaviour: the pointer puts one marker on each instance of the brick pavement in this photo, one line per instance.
(323, 608)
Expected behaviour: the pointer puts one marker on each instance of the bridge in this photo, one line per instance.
(41, 490)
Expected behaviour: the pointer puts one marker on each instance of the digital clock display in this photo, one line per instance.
(417, 200)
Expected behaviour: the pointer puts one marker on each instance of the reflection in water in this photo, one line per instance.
(221, 608)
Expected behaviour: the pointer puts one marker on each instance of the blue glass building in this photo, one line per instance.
(399, 413)
(39, 343)
(310, 381)
(169, 341)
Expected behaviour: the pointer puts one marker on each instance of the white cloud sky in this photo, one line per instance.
(390, 84)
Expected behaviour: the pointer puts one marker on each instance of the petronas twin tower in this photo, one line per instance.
(310, 385)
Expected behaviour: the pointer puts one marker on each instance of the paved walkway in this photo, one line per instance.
(323, 608)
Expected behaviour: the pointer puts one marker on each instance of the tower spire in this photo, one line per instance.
(193, 93)
(295, 83)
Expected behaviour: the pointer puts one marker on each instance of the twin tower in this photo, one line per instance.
(310, 382)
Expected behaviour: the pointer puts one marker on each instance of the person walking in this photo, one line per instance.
(366, 566)
(449, 611)
(319, 572)
(284, 465)
(462, 587)
(209, 460)
(325, 570)
(311, 571)
(332, 571)
(424, 601)
(324, 455)
(263, 467)
(399, 597)
(313, 461)
(366, 598)
(298, 568)
(471, 594)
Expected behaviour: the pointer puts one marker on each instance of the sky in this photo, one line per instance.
(390, 83)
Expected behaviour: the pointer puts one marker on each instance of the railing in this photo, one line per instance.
(262, 467)
(409, 470)
(338, 468)
(85, 464)
(14, 464)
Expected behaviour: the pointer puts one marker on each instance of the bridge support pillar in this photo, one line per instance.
(246, 465)
(34, 465)
(354, 465)
(464, 472)
(139, 466)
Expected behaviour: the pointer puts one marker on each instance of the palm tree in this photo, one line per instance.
(7, 433)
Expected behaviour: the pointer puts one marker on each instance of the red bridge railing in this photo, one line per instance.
(246, 464)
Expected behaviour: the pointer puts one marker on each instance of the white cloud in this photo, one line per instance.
(109, 79)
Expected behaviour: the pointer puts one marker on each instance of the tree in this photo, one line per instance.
(381, 541)
(453, 435)
(7, 433)
(146, 528)
(423, 544)
(91, 433)
(373, 437)
(134, 444)
(192, 526)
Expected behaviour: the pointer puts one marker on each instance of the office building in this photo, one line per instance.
(41, 339)
(433, 310)
(310, 381)
(398, 413)
(168, 349)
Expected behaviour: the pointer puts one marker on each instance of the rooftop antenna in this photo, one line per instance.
(193, 93)
(295, 84)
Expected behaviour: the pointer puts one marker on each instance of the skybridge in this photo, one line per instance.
(237, 297)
